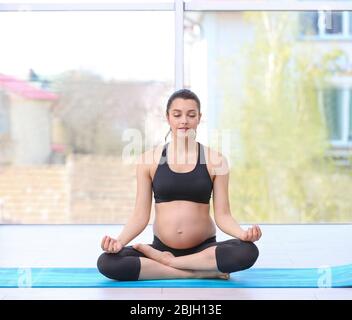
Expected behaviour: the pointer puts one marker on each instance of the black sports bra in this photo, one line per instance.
(195, 185)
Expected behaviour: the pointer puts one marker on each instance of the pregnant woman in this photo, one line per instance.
(182, 174)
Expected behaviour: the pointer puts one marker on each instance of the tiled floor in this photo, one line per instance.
(79, 246)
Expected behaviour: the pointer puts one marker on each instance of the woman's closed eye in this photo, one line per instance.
(192, 116)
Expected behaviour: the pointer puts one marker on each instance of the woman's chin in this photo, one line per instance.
(184, 137)
(189, 134)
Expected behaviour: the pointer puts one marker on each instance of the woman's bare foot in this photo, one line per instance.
(164, 257)
(212, 275)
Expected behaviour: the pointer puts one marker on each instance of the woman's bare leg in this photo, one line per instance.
(151, 269)
(203, 260)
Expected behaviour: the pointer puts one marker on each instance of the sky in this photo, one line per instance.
(121, 45)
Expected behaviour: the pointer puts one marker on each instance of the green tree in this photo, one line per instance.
(284, 174)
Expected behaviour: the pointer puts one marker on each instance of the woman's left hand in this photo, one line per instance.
(252, 234)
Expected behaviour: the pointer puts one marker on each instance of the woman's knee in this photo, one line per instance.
(252, 253)
(239, 255)
(123, 268)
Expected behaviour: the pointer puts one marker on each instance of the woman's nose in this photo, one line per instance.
(184, 120)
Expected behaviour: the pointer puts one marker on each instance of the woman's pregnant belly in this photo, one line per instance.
(183, 224)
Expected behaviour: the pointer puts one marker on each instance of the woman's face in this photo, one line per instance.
(183, 118)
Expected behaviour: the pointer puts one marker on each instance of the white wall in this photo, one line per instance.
(30, 131)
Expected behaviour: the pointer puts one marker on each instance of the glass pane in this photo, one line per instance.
(308, 23)
(333, 112)
(257, 81)
(86, 92)
(333, 22)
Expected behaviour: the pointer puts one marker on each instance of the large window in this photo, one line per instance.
(84, 88)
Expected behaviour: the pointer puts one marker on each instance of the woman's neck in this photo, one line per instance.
(183, 148)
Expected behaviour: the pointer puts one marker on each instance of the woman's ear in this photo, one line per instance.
(200, 115)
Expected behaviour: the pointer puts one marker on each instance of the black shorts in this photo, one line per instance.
(159, 245)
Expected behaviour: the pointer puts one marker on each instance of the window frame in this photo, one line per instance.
(179, 7)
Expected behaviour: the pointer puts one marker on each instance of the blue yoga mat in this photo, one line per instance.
(338, 276)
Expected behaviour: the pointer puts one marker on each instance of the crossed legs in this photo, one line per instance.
(203, 260)
(145, 262)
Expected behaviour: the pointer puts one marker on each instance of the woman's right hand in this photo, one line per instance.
(111, 245)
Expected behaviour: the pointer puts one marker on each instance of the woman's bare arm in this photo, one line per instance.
(141, 214)
(222, 212)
